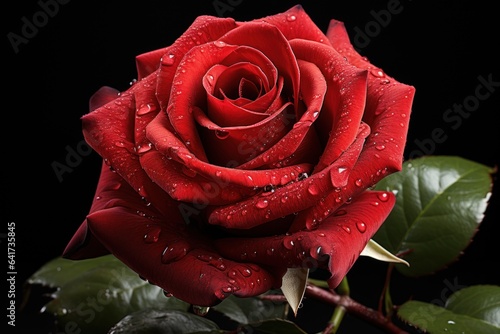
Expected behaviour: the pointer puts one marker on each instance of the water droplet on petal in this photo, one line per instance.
(291, 18)
(358, 182)
(245, 272)
(313, 189)
(174, 252)
(144, 148)
(288, 243)
(377, 73)
(221, 134)
(152, 235)
(361, 227)
(380, 147)
(262, 203)
(168, 60)
(219, 44)
(384, 197)
(145, 109)
(347, 229)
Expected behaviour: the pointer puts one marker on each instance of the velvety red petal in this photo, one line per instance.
(336, 244)
(103, 95)
(204, 29)
(302, 134)
(235, 145)
(190, 93)
(387, 112)
(186, 185)
(295, 23)
(148, 62)
(176, 258)
(110, 131)
(170, 146)
(293, 197)
(345, 100)
(257, 35)
(388, 104)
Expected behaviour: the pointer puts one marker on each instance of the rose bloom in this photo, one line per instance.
(241, 150)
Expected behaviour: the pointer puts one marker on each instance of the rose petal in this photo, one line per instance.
(191, 93)
(225, 112)
(186, 185)
(388, 105)
(336, 244)
(171, 147)
(103, 95)
(158, 251)
(292, 197)
(387, 112)
(235, 145)
(301, 141)
(257, 35)
(118, 146)
(295, 23)
(345, 100)
(203, 30)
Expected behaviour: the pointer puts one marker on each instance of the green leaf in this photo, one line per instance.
(441, 201)
(475, 309)
(92, 295)
(247, 310)
(151, 321)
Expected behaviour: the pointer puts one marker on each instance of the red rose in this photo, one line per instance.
(243, 149)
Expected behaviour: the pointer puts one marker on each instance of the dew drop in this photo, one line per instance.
(341, 169)
(174, 252)
(262, 203)
(358, 182)
(152, 235)
(221, 134)
(145, 109)
(361, 227)
(219, 264)
(291, 18)
(377, 73)
(144, 148)
(227, 289)
(380, 147)
(288, 243)
(168, 60)
(219, 44)
(384, 197)
(313, 189)
(347, 229)
(270, 251)
(245, 272)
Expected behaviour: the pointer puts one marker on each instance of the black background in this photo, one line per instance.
(441, 48)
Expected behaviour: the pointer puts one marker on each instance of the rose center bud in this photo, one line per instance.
(245, 113)
(249, 88)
